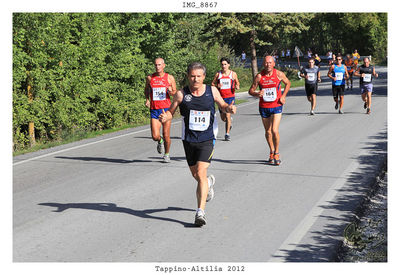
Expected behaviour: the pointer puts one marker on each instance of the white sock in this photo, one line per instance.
(200, 211)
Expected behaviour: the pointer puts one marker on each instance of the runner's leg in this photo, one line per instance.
(155, 125)
(267, 122)
(276, 120)
(167, 136)
(199, 172)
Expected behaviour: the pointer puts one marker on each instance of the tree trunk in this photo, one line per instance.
(254, 67)
(31, 125)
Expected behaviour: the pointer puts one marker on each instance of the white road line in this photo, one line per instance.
(305, 225)
(95, 142)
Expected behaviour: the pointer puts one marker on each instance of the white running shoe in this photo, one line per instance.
(211, 182)
(200, 218)
(167, 159)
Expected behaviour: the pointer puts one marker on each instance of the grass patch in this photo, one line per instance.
(81, 135)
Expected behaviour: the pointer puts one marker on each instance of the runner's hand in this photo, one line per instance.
(147, 103)
(282, 99)
(261, 93)
(232, 108)
(163, 117)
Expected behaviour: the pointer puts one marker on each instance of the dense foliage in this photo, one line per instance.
(86, 71)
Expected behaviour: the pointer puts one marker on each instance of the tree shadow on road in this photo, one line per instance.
(112, 207)
(350, 201)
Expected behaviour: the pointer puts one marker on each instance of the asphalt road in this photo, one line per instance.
(111, 199)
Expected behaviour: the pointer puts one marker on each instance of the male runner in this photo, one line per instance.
(312, 76)
(159, 87)
(356, 56)
(199, 126)
(226, 81)
(351, 66)
(338, 74)
(365, 72)
(317, 60)
(271, 104)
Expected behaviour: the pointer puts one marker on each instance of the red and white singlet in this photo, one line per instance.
(272, 90)
(159, 92)
(227, 85)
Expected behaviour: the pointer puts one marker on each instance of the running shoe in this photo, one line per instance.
(336, 105)
(365, 105)
(277, 161)
(160, 147)
(312, 112)
(341, 112)
(271, 158)
(167, 158)
(227, 137)
(351, 87)
(200, 218)
(211, 180)
(368, 111)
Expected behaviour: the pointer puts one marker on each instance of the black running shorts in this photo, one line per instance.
(311, 89)
(198, 151)
(338, 90)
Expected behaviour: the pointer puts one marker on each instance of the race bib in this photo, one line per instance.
(225, 83)
(339, 76)
(367, 77)
(269, 94)
(311, 76)
(199, 120)
(159, 94)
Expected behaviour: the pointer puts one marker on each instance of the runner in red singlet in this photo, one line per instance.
(227, 82)
(159, 87)
(271, 103)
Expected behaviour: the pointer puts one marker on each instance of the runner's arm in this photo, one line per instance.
(223, 106)
(330, 73)
(237, 84)
(357, 72)
(215, 80)
(375, 73)
(347, 74)
(147, 90)
(252, 90)
(172, 87)
(165, 116)
(286, 81)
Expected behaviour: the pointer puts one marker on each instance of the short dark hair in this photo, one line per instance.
(225, 59)
(195, 66)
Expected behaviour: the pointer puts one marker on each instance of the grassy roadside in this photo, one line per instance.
(77, 136)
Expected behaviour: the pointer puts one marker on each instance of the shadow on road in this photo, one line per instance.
(349, 201)
(112, 207)
(101, 159)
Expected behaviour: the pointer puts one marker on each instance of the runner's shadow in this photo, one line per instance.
(101, 159)
(112, 207)
(146, 137)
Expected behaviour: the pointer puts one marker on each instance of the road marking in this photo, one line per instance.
(102, 140)
(305, 225)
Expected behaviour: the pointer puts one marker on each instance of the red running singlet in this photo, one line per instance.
(159, 95)
(272, 90)
(227, 85)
